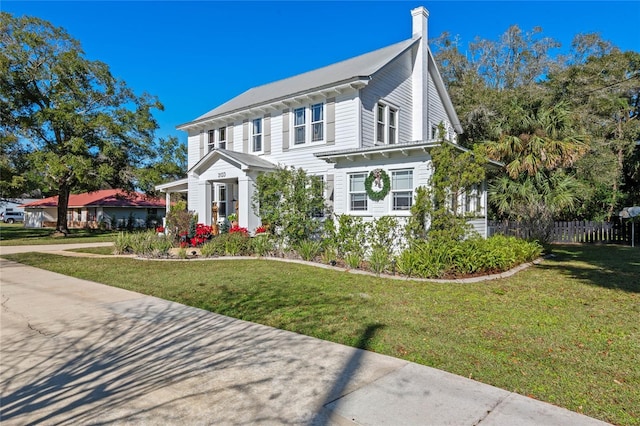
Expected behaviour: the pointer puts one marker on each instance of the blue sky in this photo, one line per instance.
(196, 55)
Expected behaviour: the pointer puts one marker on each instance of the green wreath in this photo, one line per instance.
(377, 178)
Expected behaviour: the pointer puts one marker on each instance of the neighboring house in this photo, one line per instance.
(380, 110)
(108, 208)
(11, 209)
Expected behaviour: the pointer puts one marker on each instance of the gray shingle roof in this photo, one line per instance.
(362, 66)
(249, 160)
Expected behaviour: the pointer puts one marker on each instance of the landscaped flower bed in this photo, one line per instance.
(356, 246)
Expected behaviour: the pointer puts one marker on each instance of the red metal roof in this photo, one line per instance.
(102, 198)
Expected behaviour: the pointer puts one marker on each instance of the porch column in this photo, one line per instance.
(167, 200)
(203, 209)
(246, 217)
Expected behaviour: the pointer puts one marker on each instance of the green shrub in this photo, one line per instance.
(122, 244)
(385, 233)
(161, 245)
(407, 262)
(329, 254)
(351, 236)
(379, 259)
(353, 260)
(236, 243)
(182, 253)
(212, 248)
(309, 249)
(263, 244)
(435, 259)
(141, 243)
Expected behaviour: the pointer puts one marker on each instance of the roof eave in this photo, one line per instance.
(181, 184)
(378, 150)
(336, 88)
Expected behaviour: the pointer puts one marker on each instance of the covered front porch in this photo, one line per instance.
(223, 183)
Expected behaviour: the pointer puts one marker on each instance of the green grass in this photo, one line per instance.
(94, 250)
(17, 235)
(566, 331)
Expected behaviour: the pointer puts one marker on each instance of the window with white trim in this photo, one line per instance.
(256, 135)
(473, 200)
(217, 139)
(222, 138)
(211, 140)
(299, 126)
(357, 192)
(317, 122)
(308, 124)
(386, 124)
(434, 131)
(401, 190)
(221, 199)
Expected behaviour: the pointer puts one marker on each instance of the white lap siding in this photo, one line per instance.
(392, 86)
(194, 147)
(420, 165)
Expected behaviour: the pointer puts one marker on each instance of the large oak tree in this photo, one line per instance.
(83, 128)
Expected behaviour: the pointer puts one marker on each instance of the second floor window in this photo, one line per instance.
(222, 138)
(317, 122)
(386, 124)
(217, 138)
(256, 135)
(211, 140)
(299, 126)
(308, 124)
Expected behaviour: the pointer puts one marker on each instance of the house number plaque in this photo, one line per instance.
(222, 174)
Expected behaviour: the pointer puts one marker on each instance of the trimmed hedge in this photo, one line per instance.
(474, 256)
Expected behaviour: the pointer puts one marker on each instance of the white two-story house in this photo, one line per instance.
(377, 111)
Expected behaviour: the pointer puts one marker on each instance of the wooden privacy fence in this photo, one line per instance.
(579, 231)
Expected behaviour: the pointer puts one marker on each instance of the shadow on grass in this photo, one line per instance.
(607, 266)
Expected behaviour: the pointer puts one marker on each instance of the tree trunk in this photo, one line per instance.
(63, 204)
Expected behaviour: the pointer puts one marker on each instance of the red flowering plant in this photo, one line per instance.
(261, 230)
(160, 229)
(237, 229)
(203, 233)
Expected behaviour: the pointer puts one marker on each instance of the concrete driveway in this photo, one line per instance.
(78, 352)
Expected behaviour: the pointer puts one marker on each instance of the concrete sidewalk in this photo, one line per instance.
(78, 352)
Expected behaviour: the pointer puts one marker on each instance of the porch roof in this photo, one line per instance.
(381, 150)
(180, 185)
(385, 150)
(243, 160)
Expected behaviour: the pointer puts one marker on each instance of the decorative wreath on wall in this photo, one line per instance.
(377, 184)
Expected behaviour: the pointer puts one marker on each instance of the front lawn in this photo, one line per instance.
(566, 331)
(17, 235)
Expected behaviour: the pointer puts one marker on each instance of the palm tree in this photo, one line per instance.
(536, 146)
(540, 140)
(535, 201)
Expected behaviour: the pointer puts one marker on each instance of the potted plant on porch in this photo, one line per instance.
(233, 218)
